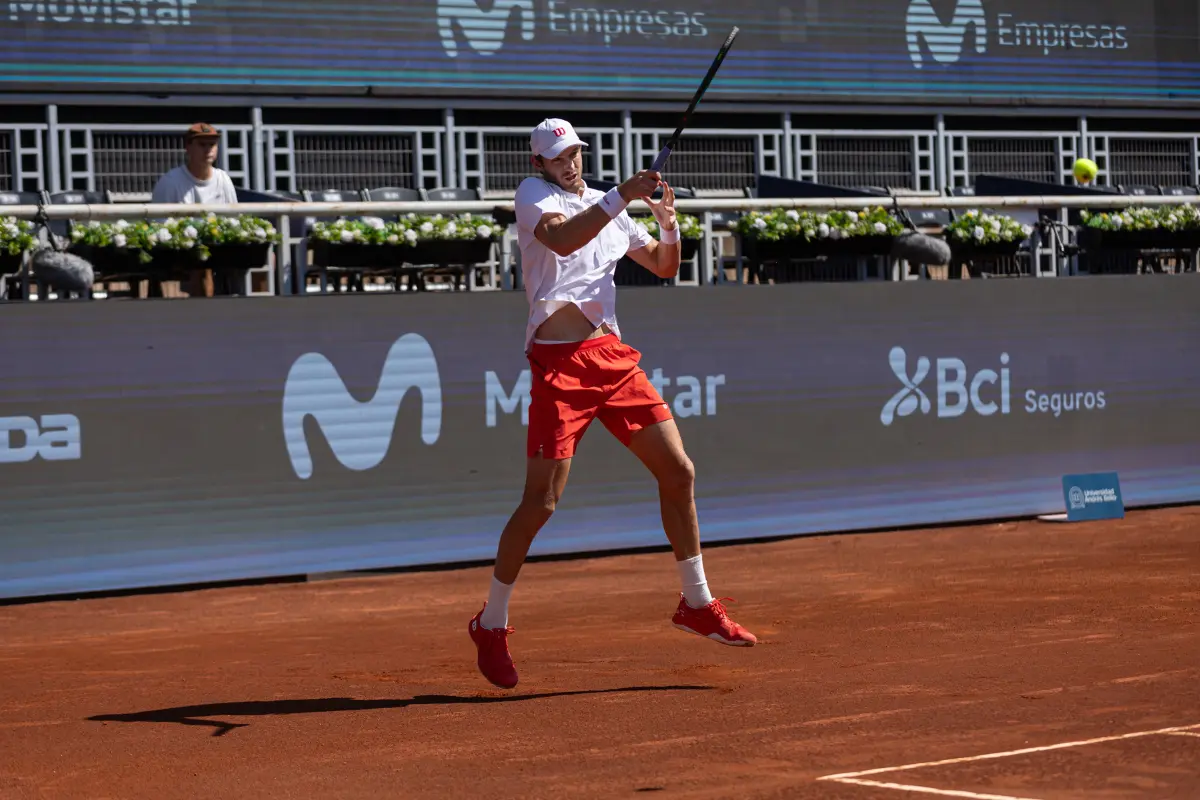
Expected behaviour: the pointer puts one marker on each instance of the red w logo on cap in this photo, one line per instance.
(560, 131)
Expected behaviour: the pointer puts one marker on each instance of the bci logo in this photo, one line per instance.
(54, 437)
(955, 394)
(986, 392)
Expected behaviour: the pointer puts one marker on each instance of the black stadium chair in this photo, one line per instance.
(1141, 189)
(451, 194)
(1179, 191)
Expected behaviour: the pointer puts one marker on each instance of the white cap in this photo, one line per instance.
(553, 136)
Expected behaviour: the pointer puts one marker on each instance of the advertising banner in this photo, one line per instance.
(1026, 52)
(159, 442)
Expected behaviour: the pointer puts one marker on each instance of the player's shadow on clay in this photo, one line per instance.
(194, 715)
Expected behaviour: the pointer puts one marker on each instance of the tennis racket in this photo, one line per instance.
(661, 159)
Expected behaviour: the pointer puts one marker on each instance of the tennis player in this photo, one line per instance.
(571, 238)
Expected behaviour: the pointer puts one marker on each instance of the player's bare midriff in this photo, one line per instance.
(570, 324)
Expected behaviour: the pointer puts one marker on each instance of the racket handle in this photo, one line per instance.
(661, 159)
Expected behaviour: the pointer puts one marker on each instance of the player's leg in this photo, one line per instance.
(660, 447)
(558, 419)
(545, 480)
(636, 414)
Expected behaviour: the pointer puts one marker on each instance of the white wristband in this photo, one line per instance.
(668, 236)
(612, 203)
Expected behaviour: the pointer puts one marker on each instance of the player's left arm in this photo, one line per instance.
(660, 257)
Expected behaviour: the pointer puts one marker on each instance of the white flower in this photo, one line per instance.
(880, 227)
(410, 215)
(808, 233)
(10, 229)
(121, 225)
(119, 240)
(260, 233)
(393, 239)
(836, 233)
(190, 232)
(375, 223)
(792, 214)
(426, 227)
(978, 232)
(93, 224)
(410, 235)
(164, 235)
(234, 223)
(188, 244)
(1026, 229)
(760, 223)
(466, 217)
(781, 226)
(450, 229)
(823, 229)
(347, 236)
(1117, 222)
(483, 231)
(996, 226)
(853, 216)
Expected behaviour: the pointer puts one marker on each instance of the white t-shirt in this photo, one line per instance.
(180, 186)
(585, 277)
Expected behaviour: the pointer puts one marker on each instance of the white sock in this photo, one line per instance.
(496, 614)
(695, 587)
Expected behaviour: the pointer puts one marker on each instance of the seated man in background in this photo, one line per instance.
(198, 181)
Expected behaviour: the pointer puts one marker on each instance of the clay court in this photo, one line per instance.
(1076, 645)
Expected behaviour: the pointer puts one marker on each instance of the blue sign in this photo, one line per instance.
(1093, 496)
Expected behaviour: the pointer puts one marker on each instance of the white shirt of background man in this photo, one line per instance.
(585, 277)
(181, 186)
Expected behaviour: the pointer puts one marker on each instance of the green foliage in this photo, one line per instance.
(983, 228)
(783, 224)
(183, 233)
(16, 236)
(689, 226)
(1141, 218)
(408, 230)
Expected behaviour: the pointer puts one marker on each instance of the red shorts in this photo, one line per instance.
(576, 382)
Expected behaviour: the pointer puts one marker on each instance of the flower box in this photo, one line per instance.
(967, 251)
(10, 263)
(450, 252)
(234, 257)
(356, 255)
(111, 260)
(759, 250)
(1093, 239)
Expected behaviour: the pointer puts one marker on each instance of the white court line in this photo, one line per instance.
(1007, 753)
(1184, 733)
(929, 790)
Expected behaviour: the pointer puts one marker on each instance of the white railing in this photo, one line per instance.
(702, 208)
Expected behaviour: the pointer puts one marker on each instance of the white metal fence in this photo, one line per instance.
(710, 259)
(715, 161)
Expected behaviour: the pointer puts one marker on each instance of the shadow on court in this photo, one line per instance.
(194, 715)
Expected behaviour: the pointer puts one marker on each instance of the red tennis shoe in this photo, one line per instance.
(712, 622)
(494, 660)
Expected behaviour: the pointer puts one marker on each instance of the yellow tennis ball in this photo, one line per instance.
(1085, 170)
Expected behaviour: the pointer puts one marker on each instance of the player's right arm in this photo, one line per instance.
(538, 211)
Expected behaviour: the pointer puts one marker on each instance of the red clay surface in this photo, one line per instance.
(877, 650)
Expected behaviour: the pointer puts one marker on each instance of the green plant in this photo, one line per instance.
(16, 236)
(782, 224)
(983, 228)
(408, 230)
(1142, 218)
(175, 233)
(689, 226)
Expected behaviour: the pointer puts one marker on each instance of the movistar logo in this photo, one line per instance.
(483, 30)
(359, 433)
(910, 398)
(945, 42)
